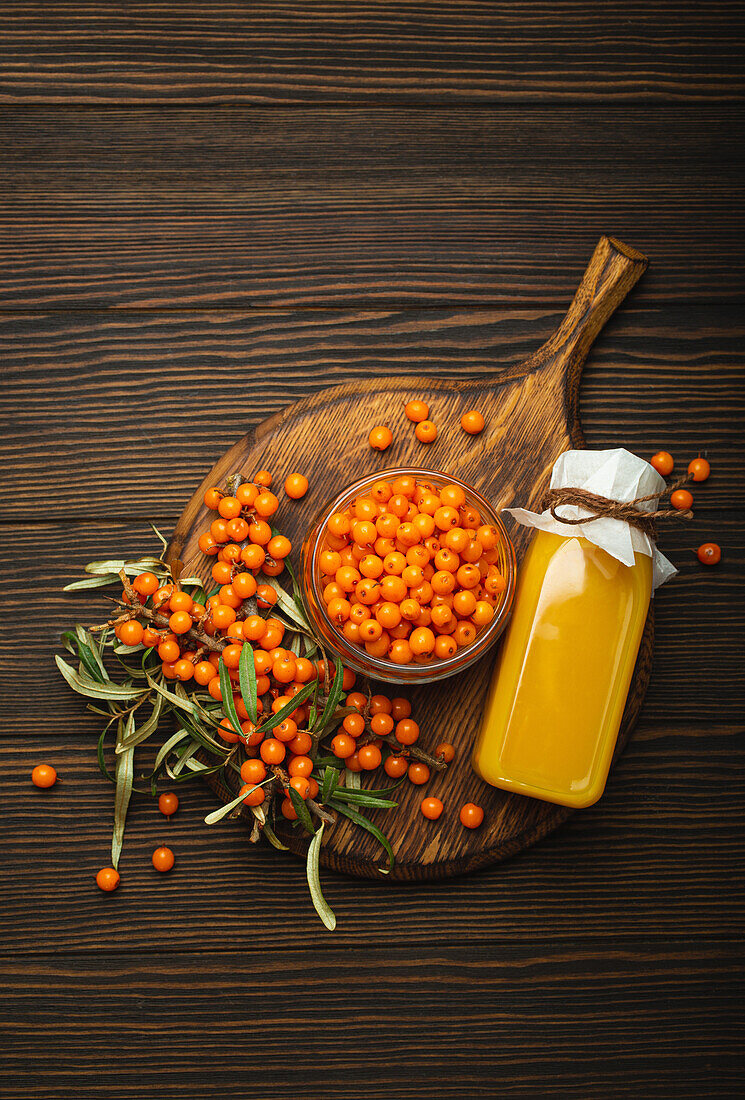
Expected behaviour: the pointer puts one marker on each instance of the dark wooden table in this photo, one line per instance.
(209, 210)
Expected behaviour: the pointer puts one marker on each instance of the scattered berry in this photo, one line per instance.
(699, 469)
(682, 500)
(709, 553)
(44, 775)
(417, 411)
(107, 879)
(431, 808)
(296, 486)
(163, 859)
(168, 803)
(380, 438)
(663, 463)
(471, 815)
(426, 431)
(472, 422)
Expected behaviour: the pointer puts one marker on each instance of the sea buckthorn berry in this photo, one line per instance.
(348, 679)
(214, 689)
(464, 634)
(163, 859)
(443, 582)
(367, 592)
(266, 596)
(488, 535)
(400, 652)
(183, 669)
(395, 766)
(253, 771)
(426, 431)
(381, 724)
(410, 610)
(207, 544)
(181, 601)
(279, 546)
(347, 577)
(370, 757)
(296, 486)
(304, 670)
(472, 422)
(131, 632)
(288, 811)
(219, 530)
(338, 610)
(252, 795)
(343, 745)
(169, 650)
(251, 734)
(371, 566)
(354, 724)
(407, 731)
(244, 585)
(682, 500)
(471, 815)
(473, 552)
(223, 616)
(699, 469)
(663, 463)
(417, 411)
(445, 751)
(393, 589)
(180, 622)
(422, 641)
(400, 708)
(445, 647)
(394, 563)
(204, 673)
(494, 583)
(231, 655)
(447, 560)
(212, 498)
(169, 670)
(247, 494)
(259, 532)
(222, 572)
(145, 584)
(464, 603)
(709, 553)
(272, 751)
(301, 743)
(380, 438)
(300, 765)
(405, 485)
(253, 556)
(456, 540)
(150, 637)
(339, 524)
(365, 508)
(408, 534)
(107, 879)
(168, 803)
(285, 731)
(431, 808)
(380, 704)
(229, 507)
(238, 529)
(424, 524)
(263, 478)
(418, 773)
(364, 534)
(381, 491)
(228, 732)
(44, 775)
(468, 576)
(329, 562)
(228, 596)
(352, 764)
(301, 786)
(388, 615)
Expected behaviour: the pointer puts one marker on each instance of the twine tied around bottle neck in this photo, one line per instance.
(604, 508)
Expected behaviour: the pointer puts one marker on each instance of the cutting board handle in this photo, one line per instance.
(613, 270)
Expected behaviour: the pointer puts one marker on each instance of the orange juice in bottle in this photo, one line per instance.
(560, 683)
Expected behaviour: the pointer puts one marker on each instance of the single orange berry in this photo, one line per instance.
(272, 751)
(229, 507)
(247, 494)
(472, 422)
(180, 622)
(380, 438)
(709, 553)
(432, 808)
(252, 795)
(266, 504)
(183, 669)
(699, 469)
(426, 432)
(146, 584)
(168, 803)
(301, 786)
(163, 859)
(212, 498)
(131, 633)
(44, 775)
(395, 766)
(288, 810)
(682, 500)
(400, 708)
(107, 879)
(471, 815)
(445, 751)
(343, 746)
(407, 731)
(264, 478)
(370, 757)
(296, 486)
(417, 411)
(418, 773)
(663, 463)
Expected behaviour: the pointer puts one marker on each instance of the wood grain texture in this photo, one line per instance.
(531, 415)
(344, 206)
(150, 399)
(372, 51)
(465, 1017)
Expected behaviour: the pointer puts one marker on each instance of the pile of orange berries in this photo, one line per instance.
(411, 572)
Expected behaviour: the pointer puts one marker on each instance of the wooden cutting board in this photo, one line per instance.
(531, 414)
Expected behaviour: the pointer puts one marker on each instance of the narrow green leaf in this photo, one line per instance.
(195, 771)
(92, 582)
(301, 810)
(228, 702)
(146, 729)
(286, 604)
(169, 745)
(218, 815)
(330, 783)
(89, 687)
(334, 694)
(162, 538)
(69, 641)
(273, 839)
(352, 781)
(124, 778)
(124, 650)
(87, 641)
(174, 700)
(362, 798)
(185, 759)
(321, 906)
(101, 756)
(247, 675)
(273, 720)
(362, 821)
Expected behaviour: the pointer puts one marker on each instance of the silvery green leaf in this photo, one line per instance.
(301, 810)
(174, 700)
(124, 777)
(334, 694)
(228, 702)
(218, 815)
(321, 906)
(113, 565)
(352, 780)
(362, 821)
(330, 782)
(86, 686)
(286, 603)
(273, 839)
(122, 650)
(92, 582)
(162, 537)
(247, 679)
(295, 645)
(191, 580)
(145, 730)
(169, 745)
(86, 639)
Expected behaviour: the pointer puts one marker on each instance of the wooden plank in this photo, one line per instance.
(134, 408)
(376, 52)
(676, 795)
(656, 1022)
(347, 206)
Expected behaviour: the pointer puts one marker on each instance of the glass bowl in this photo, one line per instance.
(357, 657)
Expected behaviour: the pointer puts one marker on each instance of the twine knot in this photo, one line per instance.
(603, 508)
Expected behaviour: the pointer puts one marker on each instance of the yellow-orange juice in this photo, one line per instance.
(560, 683)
